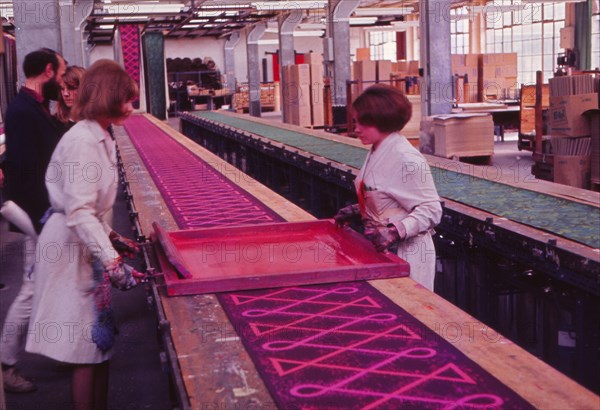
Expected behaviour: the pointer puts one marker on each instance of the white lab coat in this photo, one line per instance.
(395, 186)
(82, 185)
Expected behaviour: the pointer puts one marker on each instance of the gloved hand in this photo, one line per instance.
(125, 246)
(123, 276)
(382, 237)
(347, 214)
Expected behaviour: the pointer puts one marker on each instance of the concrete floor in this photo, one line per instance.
(137, 379)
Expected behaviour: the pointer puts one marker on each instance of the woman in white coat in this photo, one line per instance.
(397, 199)
(76, 259)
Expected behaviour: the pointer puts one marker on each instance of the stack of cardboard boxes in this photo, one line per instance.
(303, 92)
(466, 67)
(570, 98)
(296, 94)
(463, 135)
(498, 76)
(368, 72)
(489, 76)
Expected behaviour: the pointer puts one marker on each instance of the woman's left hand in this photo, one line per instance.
(382, 237)
(125, 246)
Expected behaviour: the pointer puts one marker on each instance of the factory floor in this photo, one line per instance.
(137, 380)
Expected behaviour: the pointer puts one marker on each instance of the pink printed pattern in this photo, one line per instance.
(130, 45)
(196, 193)
(347, 345)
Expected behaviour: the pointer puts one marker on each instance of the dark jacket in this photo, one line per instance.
(31, 136)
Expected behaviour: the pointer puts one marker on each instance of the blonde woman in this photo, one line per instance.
(68, 94)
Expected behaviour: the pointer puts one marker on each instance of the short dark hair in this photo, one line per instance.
(105, 87)
(35, 62)
(383, 107)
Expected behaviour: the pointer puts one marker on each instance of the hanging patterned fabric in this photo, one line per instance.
(8, 71)
(130, 44)
(153, 45)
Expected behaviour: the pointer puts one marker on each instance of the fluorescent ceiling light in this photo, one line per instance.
(142, 8)
(289, 5)
(308, 33)
(362, 20)
(311, 26)
(190, 26)
(208, 13)
(384, 11)
(268, 42)
(133, 18)
(106, 26)
(224, 4)
(199, 20)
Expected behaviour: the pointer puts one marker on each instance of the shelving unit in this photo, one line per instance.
(208, 83)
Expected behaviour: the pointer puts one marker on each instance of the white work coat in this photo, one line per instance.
(82, 185)
(395, 186)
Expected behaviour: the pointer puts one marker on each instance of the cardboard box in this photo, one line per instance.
(457, 60)
(303, 116)
(300, 74)
(567, 38)
(402, 66)
(365, 70)
(317, 95)
(573, 170)
(413, 68)
(313, 58)
(384, 70)
(565, 114)
(506, 71)
(472, 60)
(318, 115)
(363, 54)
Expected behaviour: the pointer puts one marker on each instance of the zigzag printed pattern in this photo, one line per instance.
(348, 346)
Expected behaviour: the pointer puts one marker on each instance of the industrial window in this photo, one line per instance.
(532, 30)
(596, 39)
(382, 45)
(459, 30)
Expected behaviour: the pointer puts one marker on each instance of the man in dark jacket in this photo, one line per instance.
(31, 136)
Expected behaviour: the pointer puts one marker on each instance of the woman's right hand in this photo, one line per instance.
(347, 214)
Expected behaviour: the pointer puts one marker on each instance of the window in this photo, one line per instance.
(382, 45)
(459, 30)
(596, 39)
(532, 30)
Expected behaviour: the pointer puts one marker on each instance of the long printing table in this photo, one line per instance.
(211, 366)
(549, 218)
